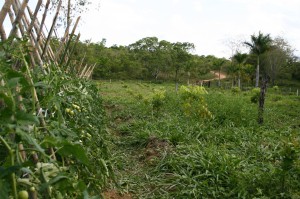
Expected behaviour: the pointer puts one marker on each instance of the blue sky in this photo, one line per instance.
(210, 24)
(214, 26)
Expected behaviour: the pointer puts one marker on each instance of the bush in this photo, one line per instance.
(276, 88)
(231, 110)
(193, 102)
(235, 89)
(255, 95)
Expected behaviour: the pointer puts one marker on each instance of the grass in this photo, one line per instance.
(163, 153)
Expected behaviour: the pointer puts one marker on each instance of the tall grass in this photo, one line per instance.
(226, 156)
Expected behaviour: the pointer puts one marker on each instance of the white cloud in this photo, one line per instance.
(205, 23)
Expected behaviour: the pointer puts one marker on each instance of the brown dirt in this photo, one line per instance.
(216, 73)
(154, 149)
(113, 194)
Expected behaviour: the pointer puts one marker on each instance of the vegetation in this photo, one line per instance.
(178, 153)
(131, 134)
(52, 131)
(155, 60)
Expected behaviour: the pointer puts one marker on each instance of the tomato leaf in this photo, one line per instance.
(3, 189)
(26, 118)
(30, 140)
(75, 150)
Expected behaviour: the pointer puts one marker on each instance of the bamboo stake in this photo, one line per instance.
(34, 16)
(3, 34)
(51, 29)
(37, 28)
(80, 65)
(12, 19)
(32, 38)
(63, 41)
(69, 41)
(4, 11)
(69, 13)
(22, 26)
(16, 8)
(87, 72)
(91, 71)
(39, 44)
(73, 49)
(83, 71)
(43, 20)
(18, 19)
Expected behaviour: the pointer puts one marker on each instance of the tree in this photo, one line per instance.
(147, 50)
(240, 59)
(180, 57)
(278, 58)
(71, 8)
(258, 45)
(217, 65)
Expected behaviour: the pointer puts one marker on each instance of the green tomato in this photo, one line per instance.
(23, 195)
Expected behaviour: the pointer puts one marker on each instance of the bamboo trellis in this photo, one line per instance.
(25, 23)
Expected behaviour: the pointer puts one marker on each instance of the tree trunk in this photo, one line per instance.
(219, 84)
(239, 80)
(257, 73)
(176, 81)
(263, 90)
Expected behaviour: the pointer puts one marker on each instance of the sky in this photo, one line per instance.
(213, 26)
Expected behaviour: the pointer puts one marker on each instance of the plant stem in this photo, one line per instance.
(12, 162)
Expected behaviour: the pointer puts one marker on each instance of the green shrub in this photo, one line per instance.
(276, 88)
(235, 89)
(193, 102)
(231, 110)
(255, 95)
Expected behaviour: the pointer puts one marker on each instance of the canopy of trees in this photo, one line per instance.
(160, 60)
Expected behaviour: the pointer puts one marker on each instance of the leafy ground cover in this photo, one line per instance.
(197, 144)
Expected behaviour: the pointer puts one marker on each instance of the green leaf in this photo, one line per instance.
(75, 150)
(41, 84)
(26, 118)
(5, 116)
(81, 186)
(7, 100)
(15, 77)
(49, 142)
(30, 140)
(3, 189)
(86, 196)
(6, 172)
(53, 181)
(12, 83)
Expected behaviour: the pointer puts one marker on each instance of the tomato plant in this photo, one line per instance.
(43, 112)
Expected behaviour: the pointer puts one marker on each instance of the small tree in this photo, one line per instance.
(217, 65)
(240, 59)
(180, 57)
(258, 45)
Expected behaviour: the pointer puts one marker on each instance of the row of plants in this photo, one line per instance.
(52, 130)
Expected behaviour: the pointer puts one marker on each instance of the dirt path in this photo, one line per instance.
(216, 73)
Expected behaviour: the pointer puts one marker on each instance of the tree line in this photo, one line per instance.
(160, 60)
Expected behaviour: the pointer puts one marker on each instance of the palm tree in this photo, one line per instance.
(240, 58)
(258, 45)
(217, 65)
